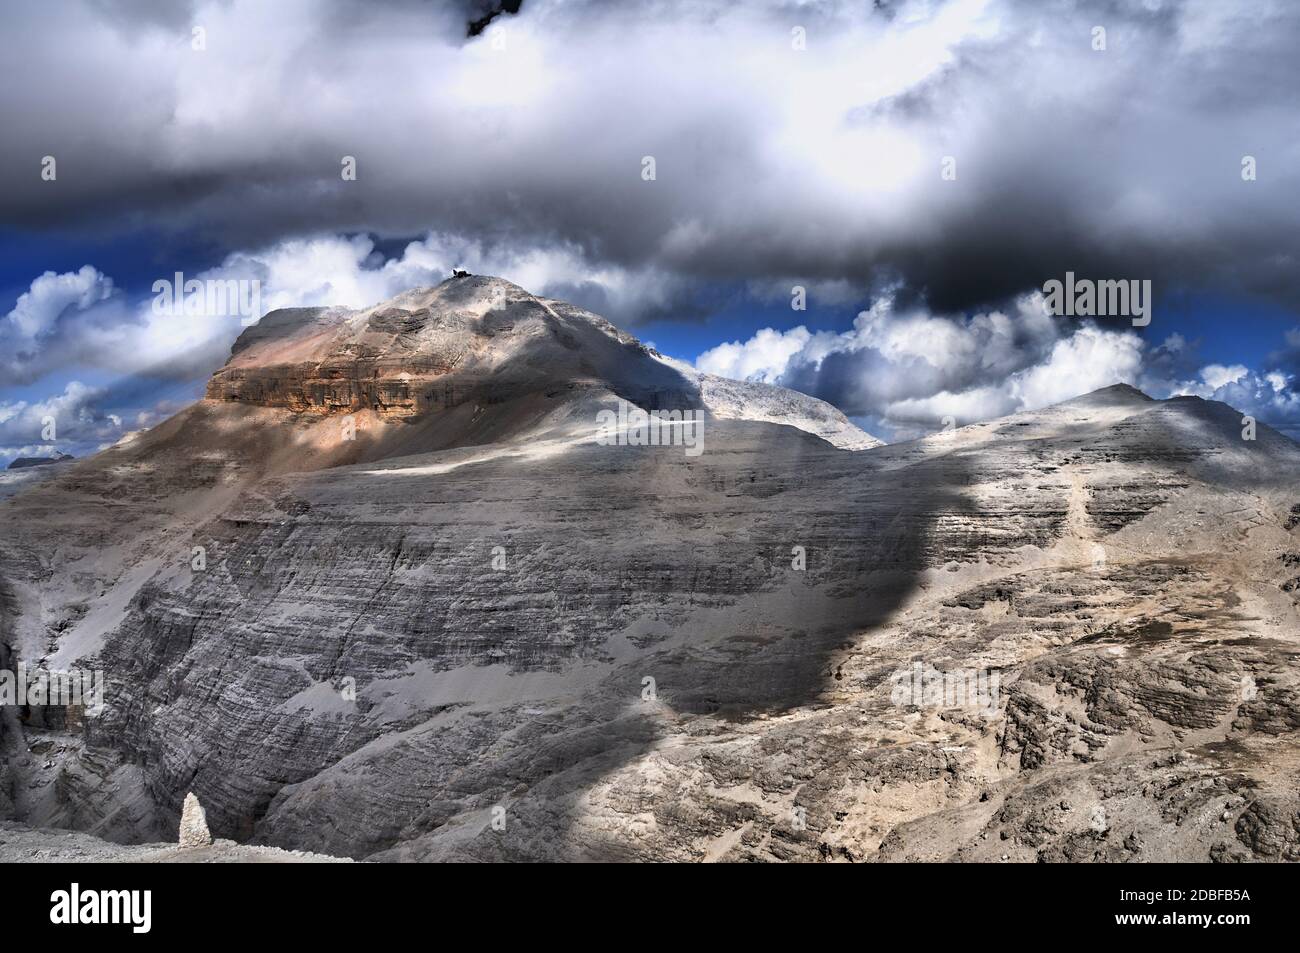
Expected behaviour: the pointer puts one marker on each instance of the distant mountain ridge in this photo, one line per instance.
(19, 463)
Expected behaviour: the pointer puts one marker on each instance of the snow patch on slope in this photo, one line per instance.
(749, 400)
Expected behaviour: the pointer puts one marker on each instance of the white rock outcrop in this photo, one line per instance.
(194, 824)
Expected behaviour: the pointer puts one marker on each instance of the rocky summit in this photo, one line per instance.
(394, 591)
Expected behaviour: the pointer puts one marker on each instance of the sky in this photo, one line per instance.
(911, 173)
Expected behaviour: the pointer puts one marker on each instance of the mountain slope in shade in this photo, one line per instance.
(641, 654)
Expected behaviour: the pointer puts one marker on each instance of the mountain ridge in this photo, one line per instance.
(482, 339)
(389, 636)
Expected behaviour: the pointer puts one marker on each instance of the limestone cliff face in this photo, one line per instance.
(474, 612)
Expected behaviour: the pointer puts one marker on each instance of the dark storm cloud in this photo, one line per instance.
(486, 11)
(775, 163)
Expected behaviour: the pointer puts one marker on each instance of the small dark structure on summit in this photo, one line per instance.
(459, 273)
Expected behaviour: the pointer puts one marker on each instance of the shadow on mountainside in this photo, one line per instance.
(701, 551)
(627, 562)
(867, 535)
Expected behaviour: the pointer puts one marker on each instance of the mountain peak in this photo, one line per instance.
(483, 341)
(458, 290)
(1116, 395)
(1124, 390)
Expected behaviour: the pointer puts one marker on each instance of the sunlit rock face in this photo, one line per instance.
(484, 341)
(386, 594)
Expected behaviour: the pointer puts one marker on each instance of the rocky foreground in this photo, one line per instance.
(434, 618)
